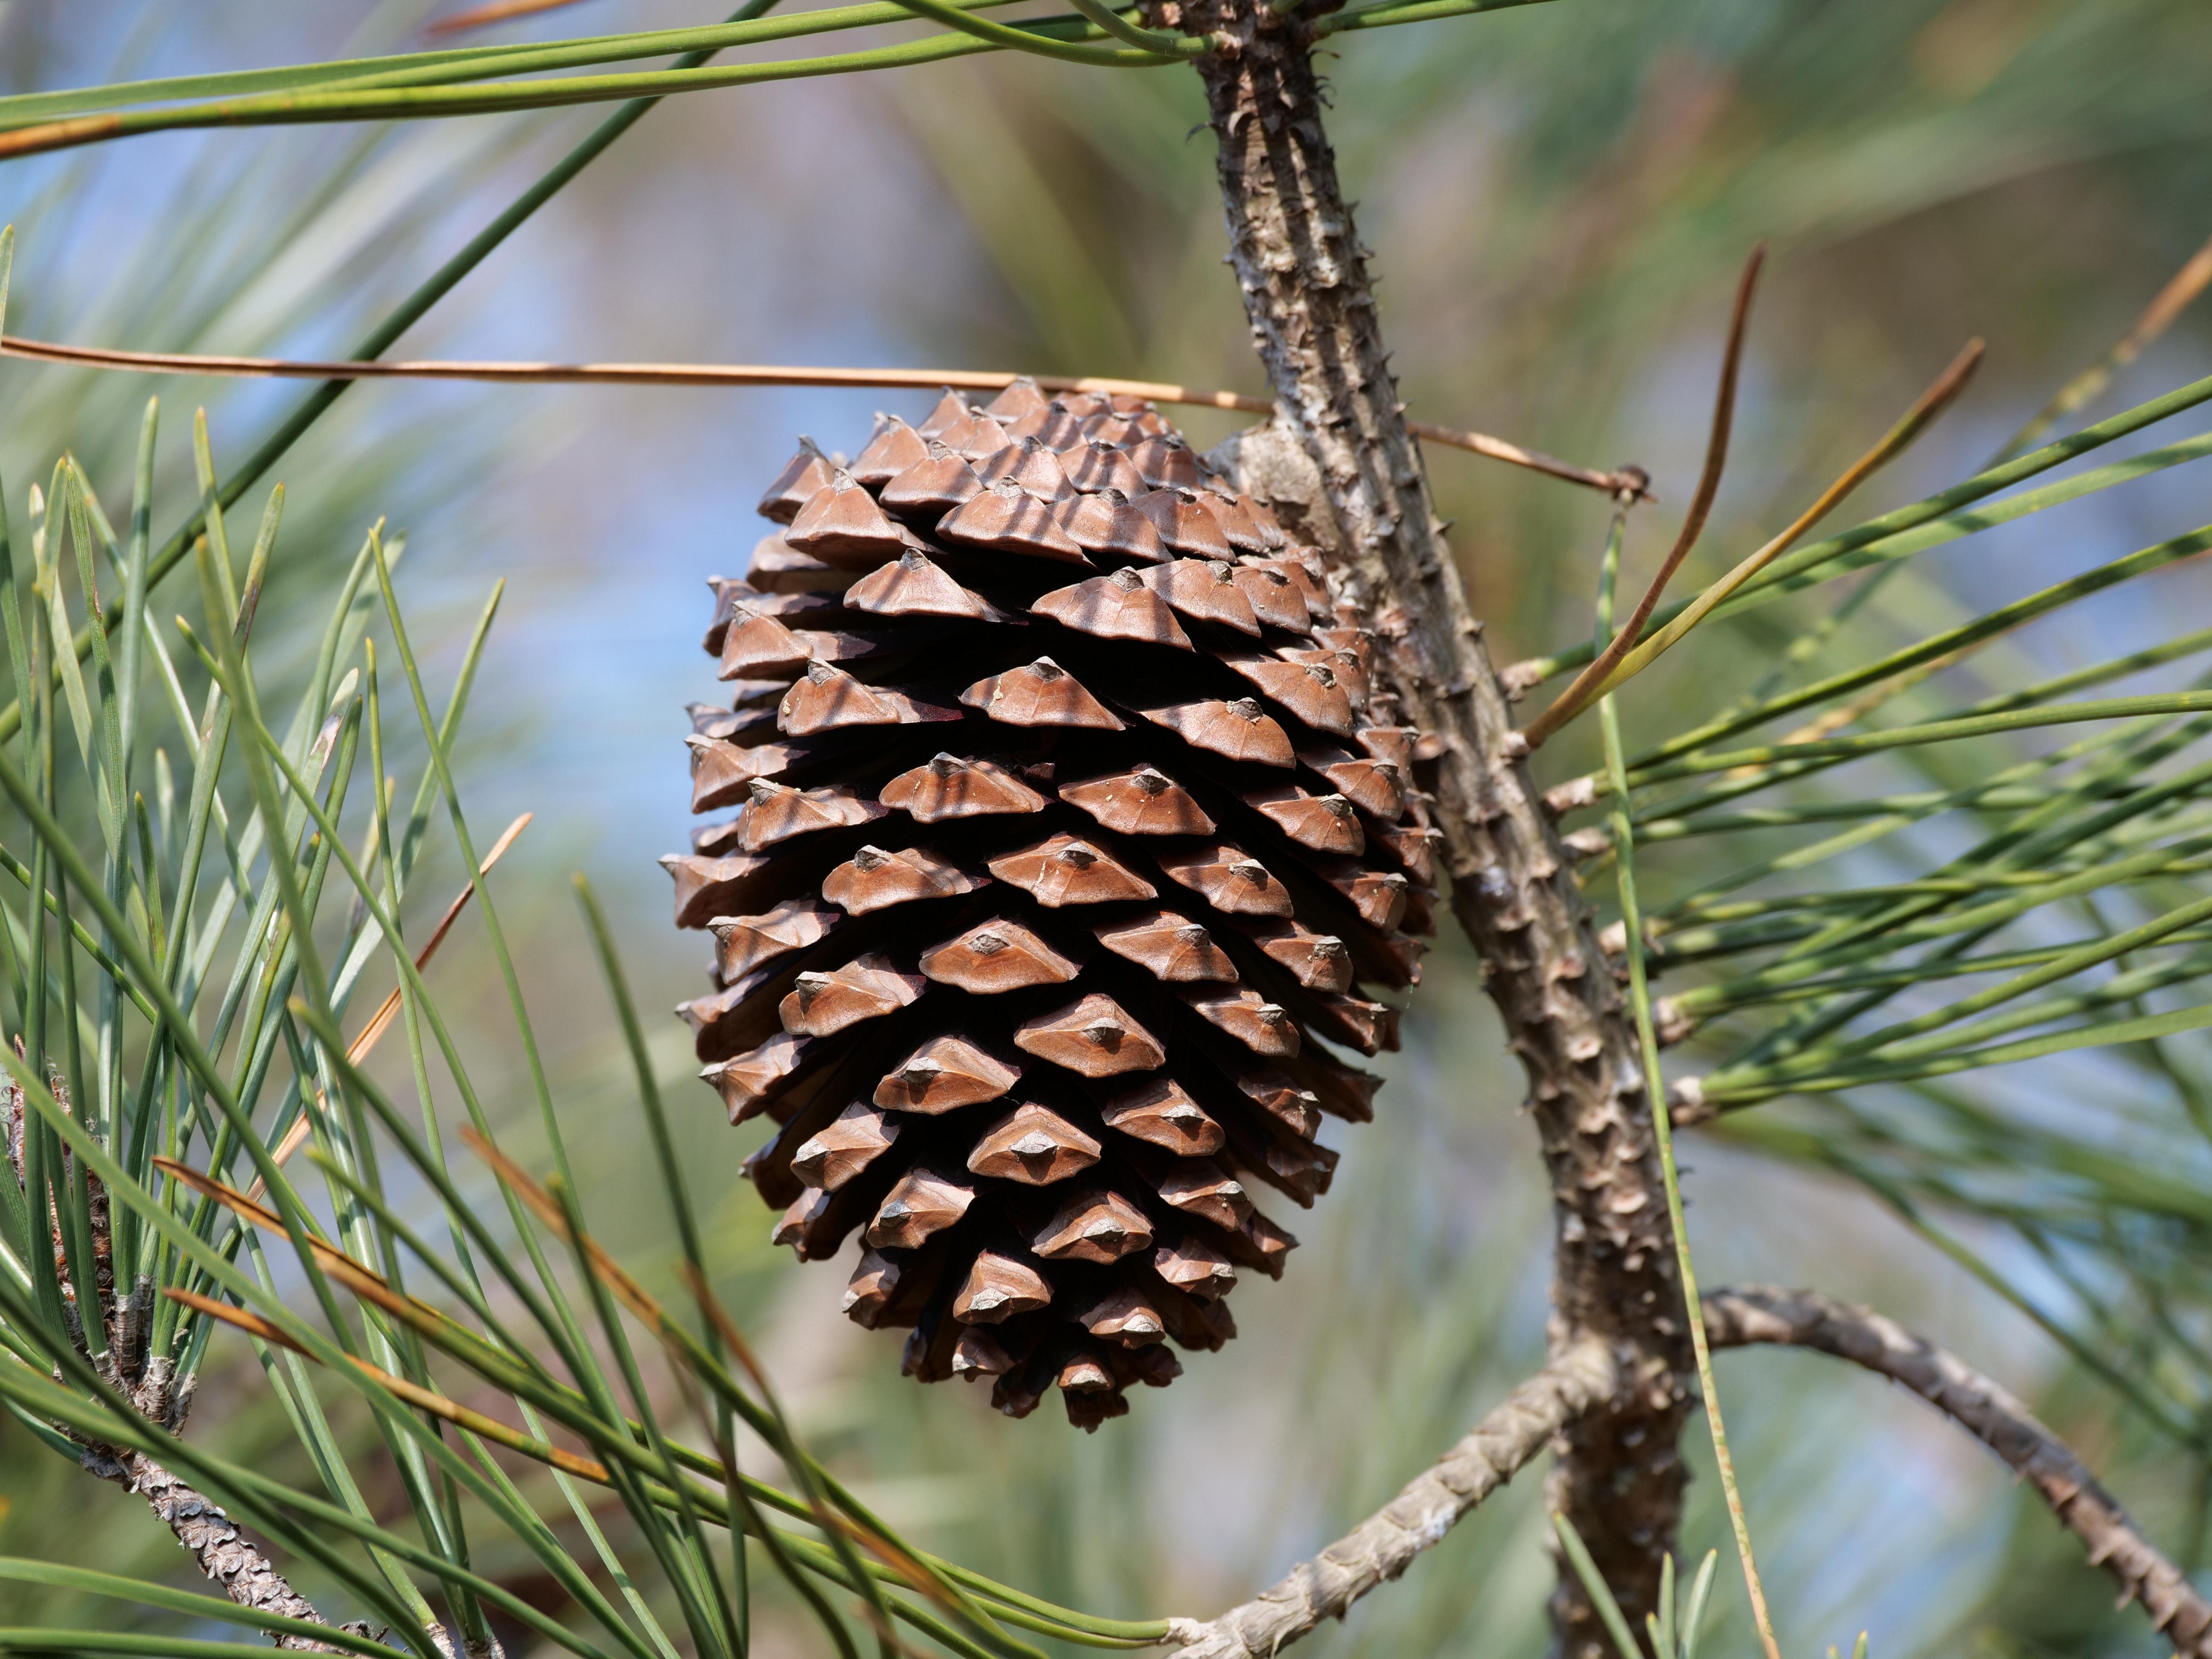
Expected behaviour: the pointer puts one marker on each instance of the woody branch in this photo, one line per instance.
(1581, 1380)
(225, 1554)
(1805, 1319)
(1338, 448)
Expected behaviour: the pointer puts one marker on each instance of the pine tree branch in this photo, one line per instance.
(1803, 1319)
(1339, 457)
(221, 1552)
(225, 1554)
(1580, 1377)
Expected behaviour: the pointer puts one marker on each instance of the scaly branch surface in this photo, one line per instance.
(225, 1554)
(1803, 1319)
(1580, 1377)
(1339, 449)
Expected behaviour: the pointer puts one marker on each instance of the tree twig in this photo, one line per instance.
(1742, 1317)
(220, 1550)
(1384, 1545)
(1341, 464)
(225, 1554)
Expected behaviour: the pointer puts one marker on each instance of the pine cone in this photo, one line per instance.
(1068, 822)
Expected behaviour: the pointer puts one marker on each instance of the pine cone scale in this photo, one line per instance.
(1066, 832)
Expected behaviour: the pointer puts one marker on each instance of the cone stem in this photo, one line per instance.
(1338, 456)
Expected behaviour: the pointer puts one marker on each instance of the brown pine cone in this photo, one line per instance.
(1069, 831)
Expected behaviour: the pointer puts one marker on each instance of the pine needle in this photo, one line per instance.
(499, 11)
(1576, 696)
(1939, 396)
(1639, 993)
(765, 374)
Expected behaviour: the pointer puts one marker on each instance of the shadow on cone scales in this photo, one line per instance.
(1071, 845)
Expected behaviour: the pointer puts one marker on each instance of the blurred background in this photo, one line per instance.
(1559, 197)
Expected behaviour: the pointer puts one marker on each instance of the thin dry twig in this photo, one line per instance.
(1739, 1317)
(1578, 695)
(1384, 1545)
(747, 374)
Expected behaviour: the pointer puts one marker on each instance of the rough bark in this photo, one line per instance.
(1311, 305)
(1803, 1319)
(1381, 1547)
(230, 1559)
(223, 1552)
